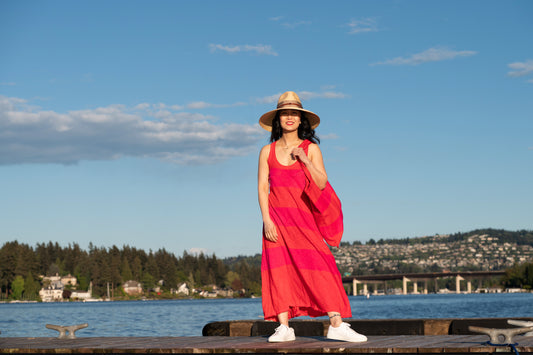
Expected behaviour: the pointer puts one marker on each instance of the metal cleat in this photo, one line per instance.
(500, 336)
(522, 323)
(71, 329)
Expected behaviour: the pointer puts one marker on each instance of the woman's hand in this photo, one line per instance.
(314, 163)
(299, 153)
(271, 233)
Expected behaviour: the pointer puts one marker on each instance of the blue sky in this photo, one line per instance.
(135, 123)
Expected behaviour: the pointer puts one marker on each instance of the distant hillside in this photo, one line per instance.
(482, 249)
(522, 237)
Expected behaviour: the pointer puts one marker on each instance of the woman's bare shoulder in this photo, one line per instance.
(265, 151)
(314, 148)
(265, 148)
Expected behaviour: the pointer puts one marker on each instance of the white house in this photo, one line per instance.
(183, 289)
(53, 292)
(132, 287)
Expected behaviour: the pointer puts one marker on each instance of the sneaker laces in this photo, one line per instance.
(346, 326)
(278, 329)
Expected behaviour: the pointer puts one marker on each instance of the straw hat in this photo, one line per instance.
(288, 101)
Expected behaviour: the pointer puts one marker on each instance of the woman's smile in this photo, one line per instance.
(289, 118)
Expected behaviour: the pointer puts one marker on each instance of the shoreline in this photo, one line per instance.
(521, 291)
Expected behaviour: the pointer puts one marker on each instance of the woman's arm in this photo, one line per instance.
(263, 189)
(314, 163)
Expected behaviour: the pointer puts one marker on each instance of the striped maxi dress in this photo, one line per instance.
(299, 273)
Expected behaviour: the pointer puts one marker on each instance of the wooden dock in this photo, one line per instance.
(386, 336)
(404, 344)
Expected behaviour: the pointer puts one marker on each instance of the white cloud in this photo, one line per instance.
(362, 26)
(197, 251)
(434, 54)
(307, 95)
(329, 136)
(142, 106)
(258, 49)
(295, 24)
(32, 135)
(198, 105)
(521, 69)
(275, 19)
(268, 99)
(159, 106)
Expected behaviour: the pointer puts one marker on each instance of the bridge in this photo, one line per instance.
(414, 278)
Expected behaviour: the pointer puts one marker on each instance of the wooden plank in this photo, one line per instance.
(404, 344)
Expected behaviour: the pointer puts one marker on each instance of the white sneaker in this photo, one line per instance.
(345, 333)
(282, 333)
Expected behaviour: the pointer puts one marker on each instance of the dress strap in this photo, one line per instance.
(272, 153)
(305, 145)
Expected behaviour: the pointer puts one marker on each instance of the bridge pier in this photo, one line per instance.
(355, 283)
(468, 276)
(405, 281)
(458, 279)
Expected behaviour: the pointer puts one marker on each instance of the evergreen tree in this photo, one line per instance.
(17, 287)
(8, 263)
(31, 287)
(126, 270)
(136, 268)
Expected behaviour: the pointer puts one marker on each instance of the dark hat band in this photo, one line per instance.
(293, 103)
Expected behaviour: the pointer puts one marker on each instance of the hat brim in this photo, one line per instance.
(266, 120)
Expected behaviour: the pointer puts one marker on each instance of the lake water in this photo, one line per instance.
(187, 317)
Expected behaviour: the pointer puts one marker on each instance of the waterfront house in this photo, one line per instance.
(69, 280)
(65, 280)
(80, 295)
(183, 289)
(53, 292)
(132, 287)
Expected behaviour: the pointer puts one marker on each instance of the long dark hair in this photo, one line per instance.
(304, 130)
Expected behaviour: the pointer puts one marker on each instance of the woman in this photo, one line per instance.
(299, 274)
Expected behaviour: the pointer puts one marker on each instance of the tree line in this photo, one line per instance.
(519, 276)
(22, 266)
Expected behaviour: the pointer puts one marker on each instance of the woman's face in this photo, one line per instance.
(290, 119)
